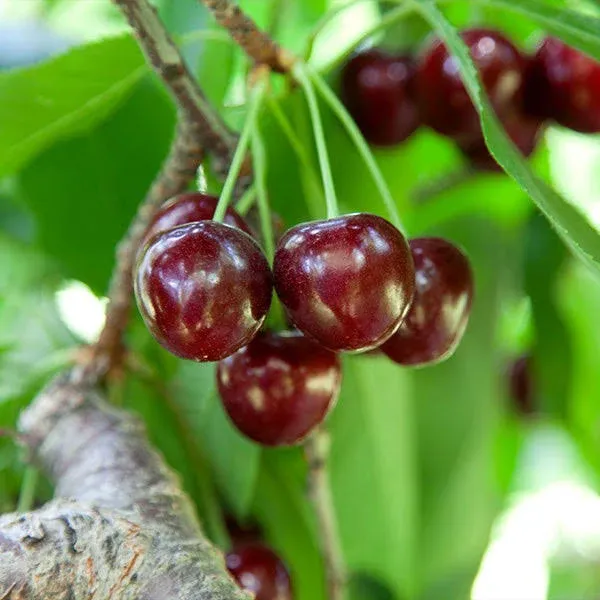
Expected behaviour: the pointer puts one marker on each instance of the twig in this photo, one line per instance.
(254, 42)
(316, 448)
(178, 170)
(161, 52)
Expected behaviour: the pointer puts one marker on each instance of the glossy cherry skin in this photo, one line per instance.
(441, 306)
(564, 85)
(279, 388)
(203, 289)
(346, 282)
(259, 570)
(521, 388)
(189, 208)
(525, 133)
(376, 88)
(443, 99)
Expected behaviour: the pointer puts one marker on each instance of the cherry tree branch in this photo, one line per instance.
(120, 526)
(254, 42)
(316, 449)
(161, 52)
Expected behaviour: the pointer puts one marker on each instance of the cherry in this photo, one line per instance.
(444, 101)
(189, 208)
(279, 388)
(346, 282)
(376, 91)
(440, 310)
(259, 570)
(521, 387)
(203, 289)
(524, 131)
(564, 85)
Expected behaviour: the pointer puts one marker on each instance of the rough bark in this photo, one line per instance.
(120, 526)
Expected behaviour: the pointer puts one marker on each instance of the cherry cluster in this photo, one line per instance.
(348, 284)
(390, 96)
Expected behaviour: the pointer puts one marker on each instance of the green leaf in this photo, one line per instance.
(281, 507)
(373, 471)
(544, 257)
(234, 459)
(65, 95)
(84, 192)
(578, 29)
(364, 587)
(568, 221)
(458, 406)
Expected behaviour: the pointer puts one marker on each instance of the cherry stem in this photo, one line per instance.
(259, 156)
(257, 94)
(28, 488)
(313, 106)
(296, 145)
(316, 448)
(361, 145)
(244, 204)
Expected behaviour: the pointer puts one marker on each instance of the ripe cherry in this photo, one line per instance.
(279, 388)
(443, 99)
(524, 131)
(203, 289)
(376, 88)
(189, 208)
(521, 387)
(564, 85)
(346, 282)
(440, 310)
(259, 570)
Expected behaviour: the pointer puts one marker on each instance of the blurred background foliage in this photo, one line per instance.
(442, 489)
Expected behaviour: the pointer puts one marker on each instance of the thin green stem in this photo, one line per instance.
(259, 155)
(28, 488)
(257, 95)
(313, 106)
(361, 145)
(297, 146)
(244, 204)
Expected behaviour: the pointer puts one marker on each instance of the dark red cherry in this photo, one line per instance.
(203, 289)
(564, 85)
(191, 207)
(279, 388)
(524, 132)
(376, 90)
(346, 282)
(443, 99)
(440, 310)
(259, 570)
(520, 383)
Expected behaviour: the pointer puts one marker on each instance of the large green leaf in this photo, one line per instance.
(544, 257)
(373, 471)
(458, 406)
(569, 222)
(83, 192)
(65, 95)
